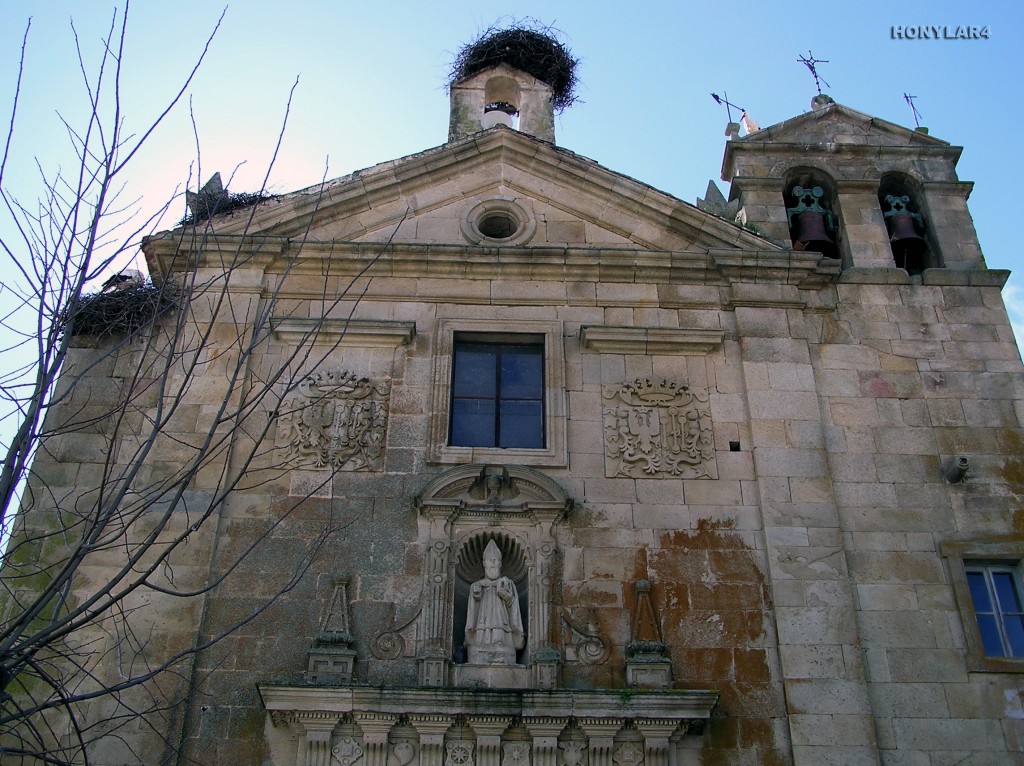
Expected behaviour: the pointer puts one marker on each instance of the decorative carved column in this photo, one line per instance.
(431, 729)
(434, 652)
(488, 738)
(545, 733)
(375, 728)
(545, 658)
(600, 739)
(657, 733)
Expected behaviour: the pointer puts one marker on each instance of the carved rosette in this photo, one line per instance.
(573, 753)
(515, 754)
(347, 751)
(658, 429)
(334, 420)
(459, 754)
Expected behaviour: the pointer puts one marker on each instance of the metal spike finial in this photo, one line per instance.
(910, 102)
(811, 63)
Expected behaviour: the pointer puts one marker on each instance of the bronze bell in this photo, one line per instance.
(810, 224)
(810, 233)
(908, 246)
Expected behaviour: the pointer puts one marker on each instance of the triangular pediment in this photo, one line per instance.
(837, 123)
(435, 197)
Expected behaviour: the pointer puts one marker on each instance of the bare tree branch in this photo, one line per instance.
(161, 422)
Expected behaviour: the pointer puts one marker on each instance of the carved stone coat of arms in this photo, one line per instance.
(658, 429)
(335, 419)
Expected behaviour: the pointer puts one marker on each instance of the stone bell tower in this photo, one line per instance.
(872, 194)
(517, 77)
(502, 95)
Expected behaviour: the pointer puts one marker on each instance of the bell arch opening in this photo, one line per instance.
(810, 197)
(901, 200)
(502, 97)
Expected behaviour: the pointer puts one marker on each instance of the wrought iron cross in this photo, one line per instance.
(811, 63)
(910, 102)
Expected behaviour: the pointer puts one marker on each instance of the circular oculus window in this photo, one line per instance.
(498, 221)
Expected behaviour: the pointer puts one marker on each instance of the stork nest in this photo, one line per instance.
(212, 205)
(121, 310)
(527, 46)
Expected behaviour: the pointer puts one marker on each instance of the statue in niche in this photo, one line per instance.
(494, 624)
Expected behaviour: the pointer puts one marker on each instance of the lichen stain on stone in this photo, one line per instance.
(709, 570)
(1012, 471)
(714, 605)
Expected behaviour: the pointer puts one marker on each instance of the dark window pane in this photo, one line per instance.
(1015, 634)
(990, 635)
(473, 423)
(475, 367)
(522, 425)
(497, 395)
(522, 372)
(1006, 591)
(979, 592)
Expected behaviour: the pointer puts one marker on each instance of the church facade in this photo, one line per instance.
(596, 477)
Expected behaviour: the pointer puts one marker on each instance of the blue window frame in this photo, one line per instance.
(497, 392)
(998, 607)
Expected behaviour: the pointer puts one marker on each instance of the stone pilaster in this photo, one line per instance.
(315, 742)
(600, 739)
(431, 729)
(375, 728)
(657, 734)
(545, 733)
(488, 738)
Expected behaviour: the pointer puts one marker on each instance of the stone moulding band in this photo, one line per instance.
(362, 333)
(297, 703)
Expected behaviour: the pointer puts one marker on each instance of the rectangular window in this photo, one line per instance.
(498, 396)
(996, 596)
(497, 392)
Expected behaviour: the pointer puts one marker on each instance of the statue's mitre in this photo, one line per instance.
(492, 551)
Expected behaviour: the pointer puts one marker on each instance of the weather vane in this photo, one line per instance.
(910, 102)
(729, 106)
(811, 63)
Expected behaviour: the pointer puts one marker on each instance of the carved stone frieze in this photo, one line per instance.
(418, 726)
(334, 420)
(658, 429)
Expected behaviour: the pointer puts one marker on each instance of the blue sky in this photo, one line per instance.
(371, 87)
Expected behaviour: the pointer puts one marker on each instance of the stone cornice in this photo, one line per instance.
(380, 197)
(276, 255)
(801, 152)
(678, 705)
(649, 340)
(362, 333)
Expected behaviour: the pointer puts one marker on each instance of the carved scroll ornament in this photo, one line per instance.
(335, 419)
(658, 429)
